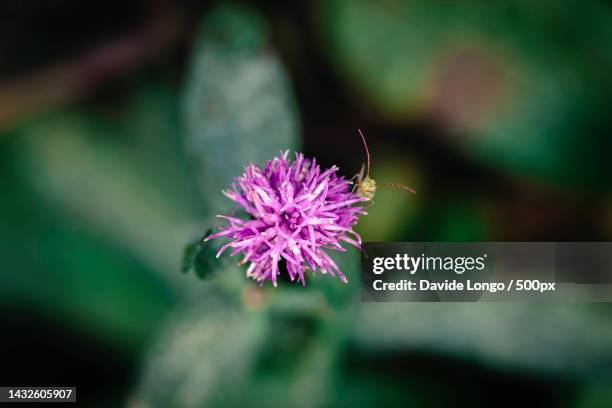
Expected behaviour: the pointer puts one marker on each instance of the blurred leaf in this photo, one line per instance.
(203, 356)
(238, 104)
(68, 274)
(274, 356)
(99, 171)
(150, 125)
(562, 339)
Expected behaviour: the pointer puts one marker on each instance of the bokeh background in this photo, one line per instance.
(120, 123)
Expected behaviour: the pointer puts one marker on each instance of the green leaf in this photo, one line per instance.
(571, 339)
(201, 256)
(190, 252)
(238, 104)
(213, 348)
(202, 358)
(69, 273)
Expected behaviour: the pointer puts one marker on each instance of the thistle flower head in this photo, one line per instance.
(296, 212)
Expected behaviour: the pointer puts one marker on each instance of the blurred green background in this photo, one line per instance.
(120, 123)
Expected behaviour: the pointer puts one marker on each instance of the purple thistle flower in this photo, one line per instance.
(296, 211)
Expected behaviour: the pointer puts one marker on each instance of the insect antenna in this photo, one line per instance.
(366, 149)
(397, 185)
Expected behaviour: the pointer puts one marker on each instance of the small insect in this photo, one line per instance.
(365, 186)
